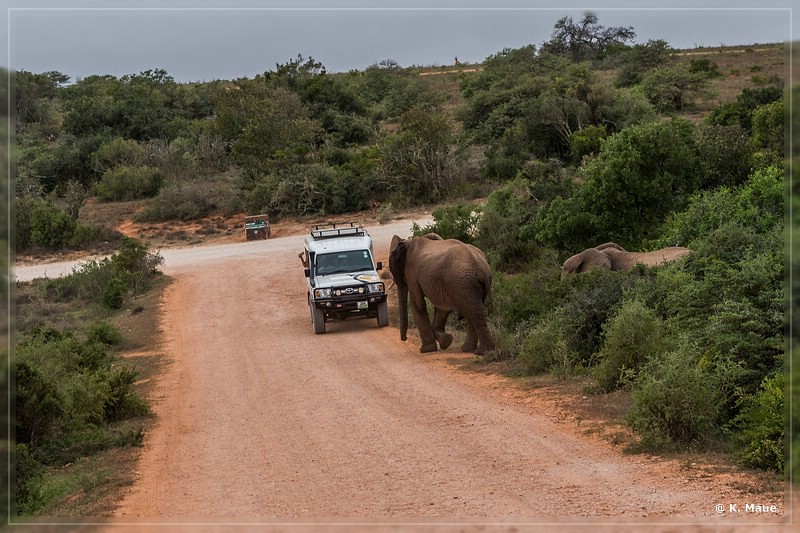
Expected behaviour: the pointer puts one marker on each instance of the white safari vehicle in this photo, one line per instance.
(342, 276)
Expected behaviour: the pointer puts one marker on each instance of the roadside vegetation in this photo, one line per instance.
(76, 400)
(585, 139)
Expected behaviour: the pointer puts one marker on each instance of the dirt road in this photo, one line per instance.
(260, 419)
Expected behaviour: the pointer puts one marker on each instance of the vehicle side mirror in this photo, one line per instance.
(379, 266)
(307, 272)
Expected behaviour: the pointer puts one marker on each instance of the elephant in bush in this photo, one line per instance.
(612, 256)
(454, 276)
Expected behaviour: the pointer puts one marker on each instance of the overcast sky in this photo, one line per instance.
(202, 40)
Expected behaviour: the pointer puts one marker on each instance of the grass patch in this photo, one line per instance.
(83, 370)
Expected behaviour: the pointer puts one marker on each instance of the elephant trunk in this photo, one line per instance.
(402, 304)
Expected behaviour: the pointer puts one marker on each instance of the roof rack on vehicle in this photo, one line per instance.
(345, 229)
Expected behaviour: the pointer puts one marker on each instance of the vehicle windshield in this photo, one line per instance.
(342, 262)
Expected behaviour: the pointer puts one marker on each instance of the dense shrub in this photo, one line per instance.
(586, 142)
(506, 210)
(677, 399)
(452, 222)
(640, 176)
(761, 426)
(42, 224)
(311, 189)
(118, 152)
(419, 162)
(741, 110)
(50, 227)
(28, 473)
(769, 127)
(525, 296)
(193, 199)
(129, 183)
(593, 299)
(68, 392)
(704, 66)
(631, 337)
(103, 332)
(38, 406)
(109, 280)
(546, 347)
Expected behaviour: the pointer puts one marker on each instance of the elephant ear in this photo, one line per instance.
(594, 258)
(585, 261)
(397, 259)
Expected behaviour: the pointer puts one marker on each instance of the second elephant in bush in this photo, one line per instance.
(612, 256)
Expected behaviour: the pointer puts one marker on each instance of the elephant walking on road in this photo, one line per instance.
(612, 256)
(454, 276)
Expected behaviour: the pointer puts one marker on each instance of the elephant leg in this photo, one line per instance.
(479, 339)
(471, 343)
(423, 322)
(438, 325)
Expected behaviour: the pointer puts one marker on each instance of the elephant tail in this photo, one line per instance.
(487, 298)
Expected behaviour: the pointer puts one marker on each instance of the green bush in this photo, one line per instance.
(114, 293)
(632, 336)
(593, 298)
(28, 477)
(452, 222)
(118, 152)
(546, 348)
(68, 393)
(40, 223)
(507, 210)
(741, 110)
(135, 264)
(757, 204)
(109, 280)
(88, 235)
(676, 400)
(315, 189)
(38, 405)
(50, 227)
(705, 66)
(193, 199)
(103, 332)
(122, 401)
(23, 211)
(762, 426)
(529, 295)
(586, 142)
(129, 183)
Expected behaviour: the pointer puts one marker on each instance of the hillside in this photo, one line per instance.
(740, 68)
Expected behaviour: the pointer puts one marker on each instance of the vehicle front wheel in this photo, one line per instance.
(318, 320)
(383, 314)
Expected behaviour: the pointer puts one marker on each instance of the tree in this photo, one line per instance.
(262, 124)
(670, 89)
(641, 174)
(418, 161)
(642, 58)
(585, 39)
(741, 111)
(769, 126)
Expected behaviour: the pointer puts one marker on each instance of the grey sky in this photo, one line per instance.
(197, 40)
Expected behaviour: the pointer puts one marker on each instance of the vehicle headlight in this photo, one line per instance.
(322, 293)
(375, 287)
